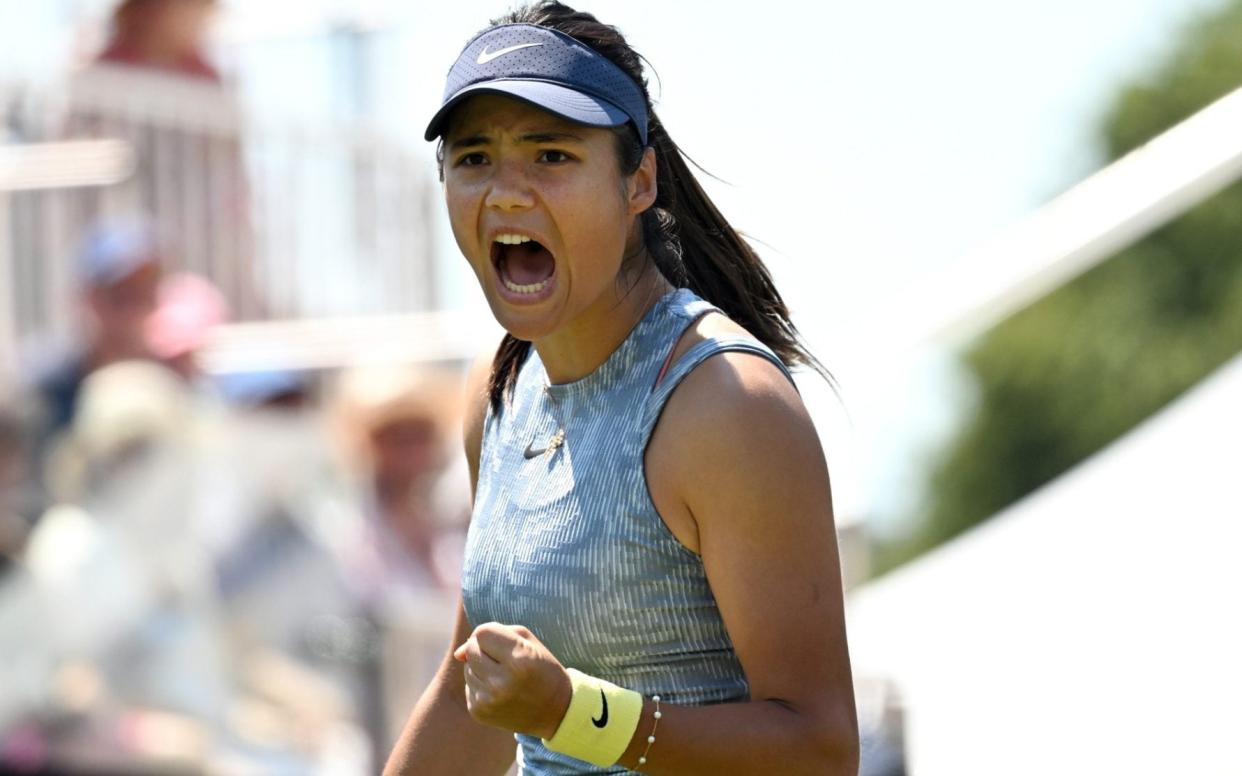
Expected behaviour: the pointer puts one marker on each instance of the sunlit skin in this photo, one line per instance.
(510, 167)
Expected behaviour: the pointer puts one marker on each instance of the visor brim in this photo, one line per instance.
(560, 100)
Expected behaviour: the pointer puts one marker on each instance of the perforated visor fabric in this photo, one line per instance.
(547, 69)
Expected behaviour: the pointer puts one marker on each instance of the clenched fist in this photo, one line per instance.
(512, 680)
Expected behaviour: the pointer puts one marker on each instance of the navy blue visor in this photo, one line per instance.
(547, 69)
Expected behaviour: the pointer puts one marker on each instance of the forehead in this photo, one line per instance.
(494, 114)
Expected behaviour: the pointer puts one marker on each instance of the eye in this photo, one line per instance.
(473, 159)
(552, 156)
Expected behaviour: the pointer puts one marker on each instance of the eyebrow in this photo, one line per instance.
(549, 136)
(541, 136)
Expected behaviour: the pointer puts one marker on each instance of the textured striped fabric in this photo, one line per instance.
(569, 544)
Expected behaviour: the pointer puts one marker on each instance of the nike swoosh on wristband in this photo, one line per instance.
(486, 56)
(603, 719)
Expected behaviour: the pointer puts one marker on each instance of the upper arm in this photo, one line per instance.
(746, 464)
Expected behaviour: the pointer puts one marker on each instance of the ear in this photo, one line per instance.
(643, 189)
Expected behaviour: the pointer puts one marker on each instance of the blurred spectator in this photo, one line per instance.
(225, 573)
(273, 389)
(153, 85)
(399, 429)
(17, 497)
(121, 613)
(163, 34)
(189, 307)
(127, 413)
(277, 516)
(182, 576)
(119, 274)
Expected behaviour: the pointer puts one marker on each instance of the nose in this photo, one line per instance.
(510, 189)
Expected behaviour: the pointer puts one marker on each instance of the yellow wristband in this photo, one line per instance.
(600, 721)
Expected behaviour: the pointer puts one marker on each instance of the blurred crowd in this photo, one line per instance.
(252, 567)
(262, 563)
(226, 573)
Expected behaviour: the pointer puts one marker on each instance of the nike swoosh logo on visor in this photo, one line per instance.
(487, 56)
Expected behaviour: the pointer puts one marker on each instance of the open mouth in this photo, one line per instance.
(524, 265)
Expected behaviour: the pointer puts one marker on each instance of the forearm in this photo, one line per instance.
(759, 737)
(513, 682)
(442, 738)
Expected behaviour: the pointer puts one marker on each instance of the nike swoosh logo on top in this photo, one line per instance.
(603, 719)
(487, 56)
(531, 452)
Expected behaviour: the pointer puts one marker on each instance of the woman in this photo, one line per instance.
(651, 580)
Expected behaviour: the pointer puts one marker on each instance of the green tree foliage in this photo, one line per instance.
(1077, 369)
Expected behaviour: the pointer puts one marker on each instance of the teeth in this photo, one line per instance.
(518, 288)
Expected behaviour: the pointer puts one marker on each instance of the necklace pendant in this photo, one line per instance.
(557, 440)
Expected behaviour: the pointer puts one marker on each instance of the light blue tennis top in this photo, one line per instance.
(569, 543)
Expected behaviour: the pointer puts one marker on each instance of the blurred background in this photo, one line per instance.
(233, 327)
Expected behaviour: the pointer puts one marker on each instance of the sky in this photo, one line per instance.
(867, 146)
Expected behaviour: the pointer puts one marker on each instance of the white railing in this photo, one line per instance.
(292, 221)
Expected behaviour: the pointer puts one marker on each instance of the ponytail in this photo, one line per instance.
(686, 236)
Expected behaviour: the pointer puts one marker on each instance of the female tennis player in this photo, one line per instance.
(651, 579)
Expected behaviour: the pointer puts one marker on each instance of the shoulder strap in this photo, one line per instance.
(697, 354)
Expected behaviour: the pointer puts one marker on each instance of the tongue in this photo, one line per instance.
(528, 263)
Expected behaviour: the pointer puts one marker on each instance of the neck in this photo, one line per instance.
(580, 348)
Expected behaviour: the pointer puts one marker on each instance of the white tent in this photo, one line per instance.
(1093, 628)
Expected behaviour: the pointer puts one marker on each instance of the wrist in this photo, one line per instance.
(599, 722)
(560, 705)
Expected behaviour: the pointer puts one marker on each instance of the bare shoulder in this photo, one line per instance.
(735, 403)
(705, 327)
(735, 425)
(731, 392)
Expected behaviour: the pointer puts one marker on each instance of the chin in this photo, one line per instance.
(526, 325)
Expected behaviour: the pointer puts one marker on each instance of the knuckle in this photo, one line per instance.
(523, 668)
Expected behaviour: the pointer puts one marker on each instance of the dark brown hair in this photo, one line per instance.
(688, 239)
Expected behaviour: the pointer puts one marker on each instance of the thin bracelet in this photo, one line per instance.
(651, 738)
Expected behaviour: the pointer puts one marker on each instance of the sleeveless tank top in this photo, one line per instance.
(568, 542)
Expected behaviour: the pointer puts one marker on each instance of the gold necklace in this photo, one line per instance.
(557, 438)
